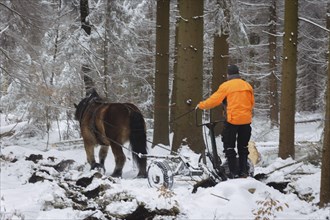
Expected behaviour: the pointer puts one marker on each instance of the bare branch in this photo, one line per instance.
(12, 10)
(313, 23)
(1, 31)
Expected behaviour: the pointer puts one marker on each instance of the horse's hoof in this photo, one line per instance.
(98, 167)
(116, 174)
(141, 175)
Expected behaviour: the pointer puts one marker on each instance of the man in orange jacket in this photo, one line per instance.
(238, 99)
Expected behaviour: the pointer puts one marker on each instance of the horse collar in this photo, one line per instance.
(85, 106)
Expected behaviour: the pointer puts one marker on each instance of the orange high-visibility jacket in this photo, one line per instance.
(240, 101)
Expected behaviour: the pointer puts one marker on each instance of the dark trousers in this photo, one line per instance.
(241, 135)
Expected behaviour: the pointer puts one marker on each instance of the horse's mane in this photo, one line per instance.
(92, 95)
(95, 97)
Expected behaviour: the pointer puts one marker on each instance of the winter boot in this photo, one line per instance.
(243, 167)
(232, 164)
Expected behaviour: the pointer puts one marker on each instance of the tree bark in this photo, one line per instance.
(106, 71)
(325, 167)
(273, 94)
(84, 12)
(220, 62)
(161, 109)
(189, 76)
(175, 70)
(289, 75)
(85, 69)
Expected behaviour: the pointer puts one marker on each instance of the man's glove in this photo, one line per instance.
(197, 107)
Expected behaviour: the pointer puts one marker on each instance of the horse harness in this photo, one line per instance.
(96, 100)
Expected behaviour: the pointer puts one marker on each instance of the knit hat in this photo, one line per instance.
(232, 69)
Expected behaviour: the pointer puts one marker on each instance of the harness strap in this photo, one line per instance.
(99, 136)
(86, 105)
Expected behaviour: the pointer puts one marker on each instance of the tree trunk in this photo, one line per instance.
(84, 12)
(161, 109)
(85, 69)
(189, 76)
(106, 72)
(175, 70)
(89, 83)
(273, 94)
(289, 75)
(325, 168)
(220, 63)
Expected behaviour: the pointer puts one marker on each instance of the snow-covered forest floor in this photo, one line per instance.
(40, 181)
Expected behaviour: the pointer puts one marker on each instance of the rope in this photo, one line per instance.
(180, 116)
(137, 154)
(160, 146)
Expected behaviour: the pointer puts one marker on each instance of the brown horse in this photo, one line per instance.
(112, 124)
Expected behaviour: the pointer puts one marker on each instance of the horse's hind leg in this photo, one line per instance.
(138, 140)
(142, 164)
(89, 148)
(103, 154)
(120, 159)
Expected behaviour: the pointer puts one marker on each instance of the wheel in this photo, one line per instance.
(160, 174)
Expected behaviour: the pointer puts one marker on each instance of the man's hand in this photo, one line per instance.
(197, 107)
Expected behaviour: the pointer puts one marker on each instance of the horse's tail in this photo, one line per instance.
(138, 139)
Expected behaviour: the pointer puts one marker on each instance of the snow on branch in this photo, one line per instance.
(313, 23)
(14, 11)
(254, 4)
(276, 35)
(3, 30)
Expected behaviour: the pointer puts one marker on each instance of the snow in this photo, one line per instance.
(232, 199)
